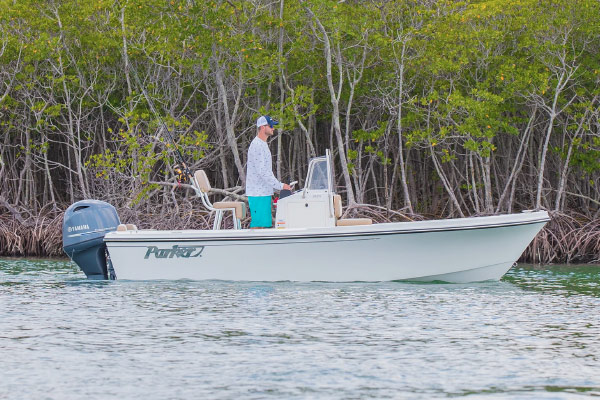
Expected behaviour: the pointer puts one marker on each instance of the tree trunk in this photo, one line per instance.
(231, 140)
(336, 110)
(407, 202)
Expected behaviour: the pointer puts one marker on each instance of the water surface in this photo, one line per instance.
(535, 334)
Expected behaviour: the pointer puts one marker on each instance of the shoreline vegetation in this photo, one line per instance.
(566, 239)
(437, 109)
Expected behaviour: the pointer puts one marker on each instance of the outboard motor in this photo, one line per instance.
(84, 226)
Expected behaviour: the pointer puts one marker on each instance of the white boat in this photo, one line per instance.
(309, 243)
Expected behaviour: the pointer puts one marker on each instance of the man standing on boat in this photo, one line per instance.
(260, 181)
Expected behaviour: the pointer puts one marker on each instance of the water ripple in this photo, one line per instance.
(532, 335)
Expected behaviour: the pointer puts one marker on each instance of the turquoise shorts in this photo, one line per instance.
(260, 211)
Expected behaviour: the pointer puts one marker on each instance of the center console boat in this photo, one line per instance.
(309, 242)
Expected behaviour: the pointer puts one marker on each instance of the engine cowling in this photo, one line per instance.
(84, 226)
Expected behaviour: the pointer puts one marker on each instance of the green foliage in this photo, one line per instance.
(586, 156)
(297, 107)
(140, 157)
(473, 72)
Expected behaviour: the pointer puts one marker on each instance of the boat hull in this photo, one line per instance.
(459, 250)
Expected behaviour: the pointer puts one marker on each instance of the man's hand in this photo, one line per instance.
(286, 187)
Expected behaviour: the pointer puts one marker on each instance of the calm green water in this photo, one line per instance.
(536, 334)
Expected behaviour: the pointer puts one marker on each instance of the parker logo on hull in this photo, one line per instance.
(175, 251)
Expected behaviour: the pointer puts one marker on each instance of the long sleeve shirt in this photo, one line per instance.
(260, 180)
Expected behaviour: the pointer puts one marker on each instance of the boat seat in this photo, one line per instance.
(202, 181)
(237, 208)
(126, 227)
(240, 207)
(353, 221)
(337, 208)
(337, 205)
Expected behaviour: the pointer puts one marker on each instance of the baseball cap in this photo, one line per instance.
(266, 120)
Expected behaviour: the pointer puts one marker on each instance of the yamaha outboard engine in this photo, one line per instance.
(84, 226)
